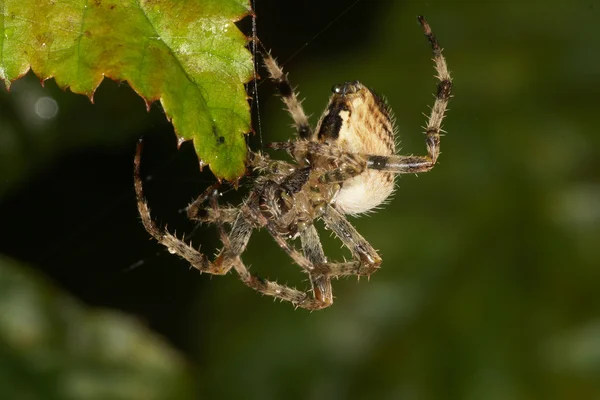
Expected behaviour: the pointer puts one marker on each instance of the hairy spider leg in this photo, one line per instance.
(362, 251)
(226, 215)
(163, 236)
(312, 249)
(288, 95)
(355, 164)
(416, 164)
(274, 289)
(196, 211)
(444, 92)
(240, 234)
(322, 295)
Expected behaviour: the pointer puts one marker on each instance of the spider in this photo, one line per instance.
(345, 166)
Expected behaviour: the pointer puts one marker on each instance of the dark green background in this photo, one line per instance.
(490, 286)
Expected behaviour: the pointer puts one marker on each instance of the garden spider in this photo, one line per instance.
(346, 166)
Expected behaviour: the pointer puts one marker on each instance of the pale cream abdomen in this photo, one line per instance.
(364, 192)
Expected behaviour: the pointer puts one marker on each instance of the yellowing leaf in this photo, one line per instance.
(186, 53)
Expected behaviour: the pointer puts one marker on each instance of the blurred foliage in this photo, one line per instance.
(491, 274)
(51, 347)
(187, 54)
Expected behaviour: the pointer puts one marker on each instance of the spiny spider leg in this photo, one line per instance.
(253, 212)
(235, 243)
(322, 294)
(313, 261)
(196, 210)
(164, 237)
(444, 91)
(216, 211)
(312, 249)
(287, 94)
(227, 215)
(355, 164)
(197, 206)
(414, 164)
(361, 249)
(282, 292)
(262, 163)
(270, 288)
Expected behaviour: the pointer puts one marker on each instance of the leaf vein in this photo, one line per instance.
(180, 65)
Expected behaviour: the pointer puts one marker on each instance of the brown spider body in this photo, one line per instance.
(356, 121)
(347, 165)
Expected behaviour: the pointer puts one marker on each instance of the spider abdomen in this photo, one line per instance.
(358, 121)
(364, 192)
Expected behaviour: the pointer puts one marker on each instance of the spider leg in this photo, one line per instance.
(351, 165)
(227, 215)
(274, 289)
(196, 211)
(444, 90)
(415, 164)
(346, 165)
(263, 163)
(314, 262)
(288, 96)
(343, 165)
(322, 293)
(234, 245)
(164, 237)
(231, 256)
(321, 283)
(367, 259)
(251, 211)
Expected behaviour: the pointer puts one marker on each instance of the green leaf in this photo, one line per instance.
(188, 54)
(52, 347)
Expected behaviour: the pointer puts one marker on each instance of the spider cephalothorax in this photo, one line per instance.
(346, 166)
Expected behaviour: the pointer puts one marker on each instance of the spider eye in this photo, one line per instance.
(346, 88)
